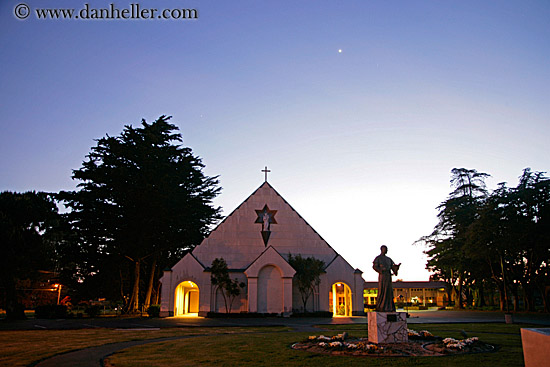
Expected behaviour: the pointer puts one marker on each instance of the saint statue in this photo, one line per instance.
(265, 218)
(384, 266)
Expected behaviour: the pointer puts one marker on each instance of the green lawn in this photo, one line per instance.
(273, 349)
(266, 346)
(20, 348)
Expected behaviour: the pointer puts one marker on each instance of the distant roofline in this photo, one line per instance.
(410, 284)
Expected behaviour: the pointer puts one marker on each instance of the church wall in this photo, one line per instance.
(270, 283)
(270, 290)
(324, 290)
(239, 238)
(240, 303)
(186, 269)
(358, 295)
(340, 271)
(312, 304)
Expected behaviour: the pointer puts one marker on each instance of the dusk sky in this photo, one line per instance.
(359, 108)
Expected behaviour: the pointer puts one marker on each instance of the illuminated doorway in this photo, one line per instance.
(187, 299)
(340, 300)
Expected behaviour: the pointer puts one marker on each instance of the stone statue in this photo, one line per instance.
(384, 266)
(265, 218)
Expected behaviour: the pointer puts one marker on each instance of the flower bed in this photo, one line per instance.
(421, 343)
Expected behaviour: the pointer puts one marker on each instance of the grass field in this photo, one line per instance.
(21, 348)
(249, 346)
(273, 349)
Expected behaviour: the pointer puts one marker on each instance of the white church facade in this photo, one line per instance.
(255, 240)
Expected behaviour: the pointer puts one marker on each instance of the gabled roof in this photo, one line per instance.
(240, 238)
(270, 257)
(279, 195)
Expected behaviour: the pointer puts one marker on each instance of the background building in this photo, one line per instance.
(410, 293)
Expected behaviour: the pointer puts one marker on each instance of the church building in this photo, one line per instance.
(255, 241)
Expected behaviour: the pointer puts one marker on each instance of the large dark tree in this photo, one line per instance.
(503, 237)
(143, 199)
(448, 241)
(28, 222)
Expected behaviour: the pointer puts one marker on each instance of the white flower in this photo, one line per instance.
(456, 345)
(336, 344)
(323, 344)
(459, 344)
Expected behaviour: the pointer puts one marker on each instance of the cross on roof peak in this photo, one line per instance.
(265, 170)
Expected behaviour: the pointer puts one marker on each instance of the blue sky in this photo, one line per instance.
(361, 142)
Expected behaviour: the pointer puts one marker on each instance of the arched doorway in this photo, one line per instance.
(187, 299)
(270, 290)
(340, 299)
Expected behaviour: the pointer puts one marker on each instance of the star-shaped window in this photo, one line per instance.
(266, 217)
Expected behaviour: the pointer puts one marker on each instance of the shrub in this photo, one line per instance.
(92, 310)
(312, 314)
(153, 311)
(241, 315)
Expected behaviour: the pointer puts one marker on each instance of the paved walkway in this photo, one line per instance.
(136, 323)
(95, 356)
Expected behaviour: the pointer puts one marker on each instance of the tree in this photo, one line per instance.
(27, 225)
(229, 288)
(448, 241)
(512, 234)
(530, 201)
(144, 200)
(307, 277)
(503, 236)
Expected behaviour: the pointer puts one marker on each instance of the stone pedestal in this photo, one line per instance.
(388, 327)
(536, 346)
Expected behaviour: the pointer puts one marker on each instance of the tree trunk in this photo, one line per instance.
(529, 296)
(504, 283)
(305, 298)
(502, 296)
(481, 296)
(530, 299)
(469, 296)
(134, 300)
(147, 301)
(459, 296)
(490, 295)
(157, 295)
(545, 297)
(449, 290)
(514, 290)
